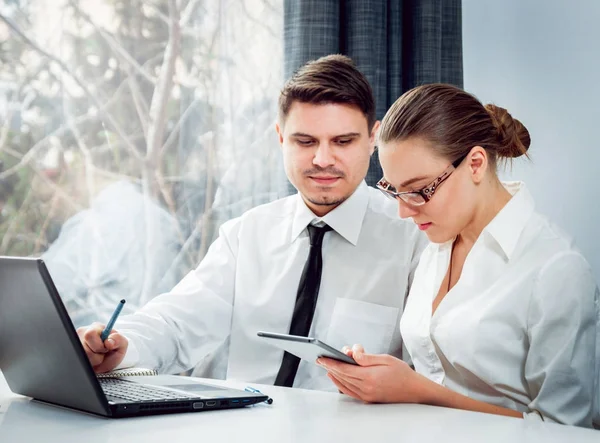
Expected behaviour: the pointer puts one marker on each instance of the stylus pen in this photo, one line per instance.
(269, 400)
(112, 321)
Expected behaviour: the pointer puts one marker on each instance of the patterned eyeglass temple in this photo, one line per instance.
(427, 192)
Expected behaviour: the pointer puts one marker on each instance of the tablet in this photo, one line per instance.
(307, 348)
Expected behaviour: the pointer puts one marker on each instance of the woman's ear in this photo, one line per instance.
(477, 162)
(373, 137)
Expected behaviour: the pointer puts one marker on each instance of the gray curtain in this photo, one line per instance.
(397, 44)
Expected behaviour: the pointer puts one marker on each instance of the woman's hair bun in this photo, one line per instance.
(513, 137)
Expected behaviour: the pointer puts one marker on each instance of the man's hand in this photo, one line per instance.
(104, 356)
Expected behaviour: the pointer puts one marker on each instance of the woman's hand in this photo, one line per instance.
(385, 379)
(376, 379)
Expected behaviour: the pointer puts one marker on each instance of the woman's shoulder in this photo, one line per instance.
(546, 239)
(553, 254)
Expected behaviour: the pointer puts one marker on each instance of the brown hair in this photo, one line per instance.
(454, 121)
(329, 79)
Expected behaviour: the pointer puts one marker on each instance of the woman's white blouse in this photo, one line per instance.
(520, 329)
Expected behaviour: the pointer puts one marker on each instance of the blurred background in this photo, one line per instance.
(129, 131)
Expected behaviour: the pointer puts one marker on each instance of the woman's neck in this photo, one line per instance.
(491, 204)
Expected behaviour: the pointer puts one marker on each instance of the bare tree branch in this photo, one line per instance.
(77, 80)
(141, 108)
(276, 10)
(49, 183)
(115, 176)
(184, 22)
(186, 15)
(57, 133)
(165, 192)
(33, 151)
(120, 51)
(74, 205)
(156, 128)
(257, 21)
(187, 245)
(41, 237)
(175, 131)
(23, 14)
(12, 152)
(87, 159)
(210, 158)
(106, 147)
(30, 155)
(162, 92)
(6, 127)
(30, 238)
(14, 224)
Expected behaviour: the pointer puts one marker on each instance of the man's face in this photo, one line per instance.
(326, 151)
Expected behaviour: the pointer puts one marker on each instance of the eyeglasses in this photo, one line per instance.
(422, 196)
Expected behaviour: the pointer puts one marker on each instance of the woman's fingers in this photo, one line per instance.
(343, 388)
(340, 368)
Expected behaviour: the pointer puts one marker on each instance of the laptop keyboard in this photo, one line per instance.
(136, 392)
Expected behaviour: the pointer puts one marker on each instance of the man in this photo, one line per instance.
(262, 272)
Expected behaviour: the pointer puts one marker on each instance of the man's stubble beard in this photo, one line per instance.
(327, 201)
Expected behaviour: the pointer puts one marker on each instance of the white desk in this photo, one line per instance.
(295, 416)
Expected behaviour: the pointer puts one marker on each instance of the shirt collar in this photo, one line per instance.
(508, 224)
(506, 227)
(346, 219)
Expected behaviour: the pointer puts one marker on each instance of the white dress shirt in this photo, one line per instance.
(520, 327)
(248, 281)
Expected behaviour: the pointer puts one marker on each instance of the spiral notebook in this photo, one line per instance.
(127, 372)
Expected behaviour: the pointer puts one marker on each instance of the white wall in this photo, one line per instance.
(540, 59)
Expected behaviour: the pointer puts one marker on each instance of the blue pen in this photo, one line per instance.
(112, 321)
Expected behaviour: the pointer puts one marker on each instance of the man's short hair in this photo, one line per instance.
(330, 79)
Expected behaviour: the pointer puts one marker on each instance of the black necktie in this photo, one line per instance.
(306, 300)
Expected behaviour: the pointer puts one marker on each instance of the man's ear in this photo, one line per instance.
(478, 162)
(373, 137)
(279, 131)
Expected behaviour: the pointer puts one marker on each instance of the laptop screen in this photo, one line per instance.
(40, 353)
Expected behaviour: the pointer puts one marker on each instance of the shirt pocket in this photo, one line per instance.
(360, 322)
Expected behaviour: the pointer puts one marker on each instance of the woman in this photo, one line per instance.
(503, 313)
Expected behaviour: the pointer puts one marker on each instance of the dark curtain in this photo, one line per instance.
(397, 44)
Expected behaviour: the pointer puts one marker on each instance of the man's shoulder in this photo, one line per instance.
(281, 208)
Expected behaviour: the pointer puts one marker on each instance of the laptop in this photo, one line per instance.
(41, 357)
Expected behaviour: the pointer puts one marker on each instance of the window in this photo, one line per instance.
(129, 131)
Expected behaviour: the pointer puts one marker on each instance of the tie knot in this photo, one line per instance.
(316, 233)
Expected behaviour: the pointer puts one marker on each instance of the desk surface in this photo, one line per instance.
(295, 416)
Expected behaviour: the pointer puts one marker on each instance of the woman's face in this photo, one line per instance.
(411, 165)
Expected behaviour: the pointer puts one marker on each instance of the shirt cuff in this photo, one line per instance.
(132, 356)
